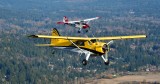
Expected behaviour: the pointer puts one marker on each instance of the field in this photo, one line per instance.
(129, 79)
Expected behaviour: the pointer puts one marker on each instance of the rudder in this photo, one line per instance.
(54, 33)
(65, 19)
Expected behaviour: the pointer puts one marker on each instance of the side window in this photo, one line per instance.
(79, 43)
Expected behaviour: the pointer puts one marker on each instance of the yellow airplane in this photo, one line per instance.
(89, 46)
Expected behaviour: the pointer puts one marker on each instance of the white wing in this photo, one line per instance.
(74, 22)
(83, 21)
(90, 19)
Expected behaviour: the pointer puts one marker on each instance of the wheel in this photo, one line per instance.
(84, 62)
(107, 63)
(79, 31)
(53, 52)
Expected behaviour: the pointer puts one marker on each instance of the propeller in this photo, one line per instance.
(106, 49)
(110, 42)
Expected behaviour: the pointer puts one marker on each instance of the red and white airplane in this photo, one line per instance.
(81, 24)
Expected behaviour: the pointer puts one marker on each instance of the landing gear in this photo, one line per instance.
(79, 31)
(53, 52)
(106, 60)
(107, 63)
(84, 62)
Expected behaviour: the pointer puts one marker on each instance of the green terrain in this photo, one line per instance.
(23, 63)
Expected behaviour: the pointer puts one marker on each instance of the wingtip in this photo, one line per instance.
(33, 36)
(98, 17)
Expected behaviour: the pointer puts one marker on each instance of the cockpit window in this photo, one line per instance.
(93, 41)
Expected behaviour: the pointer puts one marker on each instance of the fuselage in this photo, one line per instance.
(78, 25)
(92, 46)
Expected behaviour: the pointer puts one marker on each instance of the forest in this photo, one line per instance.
(22, 62)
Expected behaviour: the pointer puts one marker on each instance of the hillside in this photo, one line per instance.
(22, 62)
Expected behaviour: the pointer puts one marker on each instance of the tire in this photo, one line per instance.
(79, 31)
(84, 62)
(107, 63)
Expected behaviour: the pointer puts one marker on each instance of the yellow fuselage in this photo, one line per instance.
(95, 47)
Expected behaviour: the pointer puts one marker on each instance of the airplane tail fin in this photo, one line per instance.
(53, 41)
(65, 19)
(54, 33)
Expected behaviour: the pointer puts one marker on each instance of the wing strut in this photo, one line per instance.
(84, 62)
(76, 46)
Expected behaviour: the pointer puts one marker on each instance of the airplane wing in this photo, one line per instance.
(74, 21)
(122, 37)
(59, 37)
(85, 20)
(88, 38)
(90, 19)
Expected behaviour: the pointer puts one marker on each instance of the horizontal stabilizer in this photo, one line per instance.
(44, 45)
(60, 22)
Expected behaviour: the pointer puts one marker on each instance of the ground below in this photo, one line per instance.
(149, 77)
